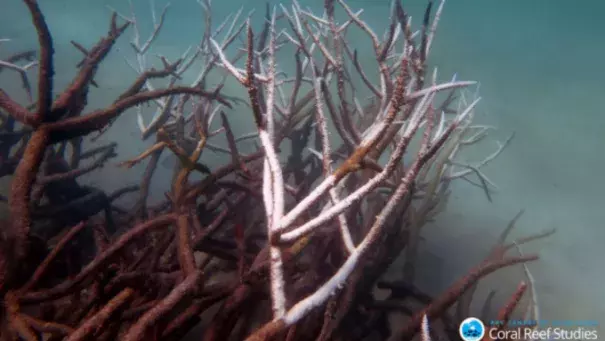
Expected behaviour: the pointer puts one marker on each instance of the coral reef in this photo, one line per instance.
(287, 242)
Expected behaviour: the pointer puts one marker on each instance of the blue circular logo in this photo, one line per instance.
(471, 329)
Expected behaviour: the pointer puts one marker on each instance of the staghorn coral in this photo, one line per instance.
(302, 264)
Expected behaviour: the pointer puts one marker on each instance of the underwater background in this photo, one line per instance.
(541, 68)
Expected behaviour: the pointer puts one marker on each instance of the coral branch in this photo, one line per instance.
(95, 323)
(436, 308)
(287, 238)
(21, 189)
(46, 68)
(186, 287)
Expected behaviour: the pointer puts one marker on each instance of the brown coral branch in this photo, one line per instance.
(21, 189)
(507, 311)
(73, 99)
(41, 270)
(250, 81)
(267, 331)
(450, 296)
(99, 261)
(47, 327)
(186, 287)
(46, 69)
(83, 125)
(74, 173)
(185, 251)
(95, 323)
(16, 322)
(18, 112)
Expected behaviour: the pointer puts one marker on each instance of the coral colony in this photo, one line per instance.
(283, 243)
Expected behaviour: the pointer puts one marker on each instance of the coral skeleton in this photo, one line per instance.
(287, 240)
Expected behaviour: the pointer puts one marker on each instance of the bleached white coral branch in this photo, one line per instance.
(425, 331)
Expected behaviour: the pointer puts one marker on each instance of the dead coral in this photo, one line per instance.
(298, 266)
